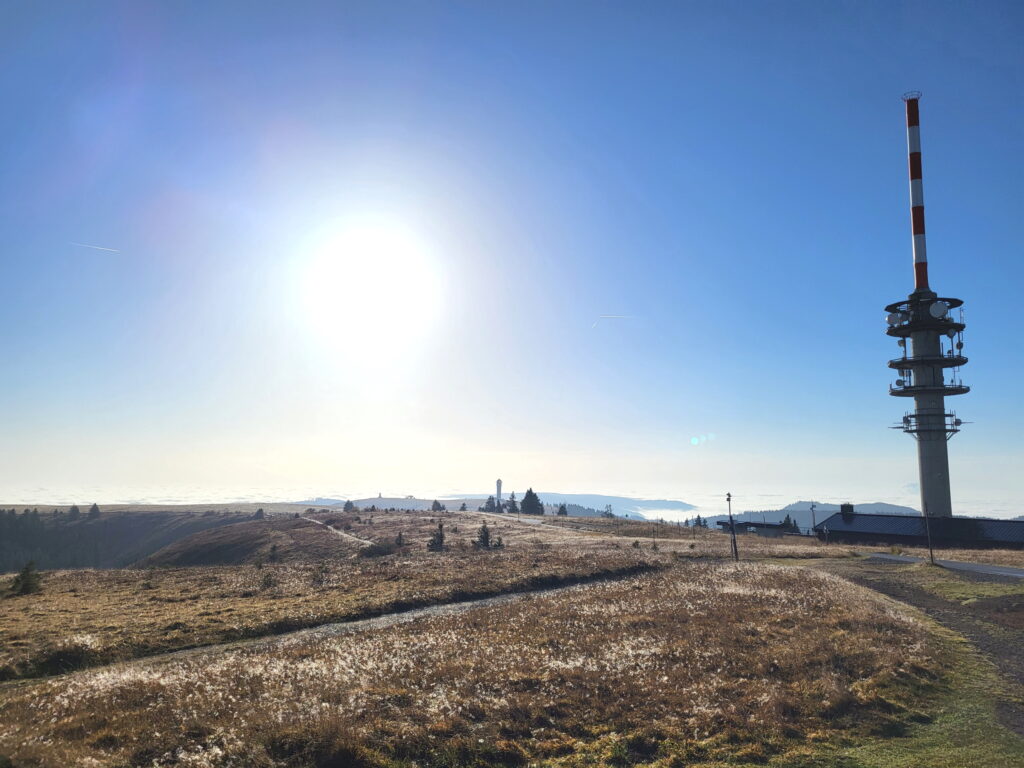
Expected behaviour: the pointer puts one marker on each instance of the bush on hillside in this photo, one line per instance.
(380, 549)
(27, 580)
(436, 543)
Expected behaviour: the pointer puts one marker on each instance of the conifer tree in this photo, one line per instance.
(27, 581)
(483, 537)
(436, 543)
(531, 503)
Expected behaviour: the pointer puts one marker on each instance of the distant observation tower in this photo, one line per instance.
(497, 496)
(930, 369)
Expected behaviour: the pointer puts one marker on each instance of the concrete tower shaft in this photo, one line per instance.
(924, 320)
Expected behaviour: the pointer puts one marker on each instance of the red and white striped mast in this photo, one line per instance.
(916, 190)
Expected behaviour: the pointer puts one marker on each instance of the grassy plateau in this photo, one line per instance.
(613, 648)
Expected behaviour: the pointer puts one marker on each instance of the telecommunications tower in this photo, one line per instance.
(930, 369)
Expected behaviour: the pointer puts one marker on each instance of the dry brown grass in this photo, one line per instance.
(84, 618)
(283, 539)
(709, 542)
(698, 663)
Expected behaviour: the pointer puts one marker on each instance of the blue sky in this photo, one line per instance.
(729, 176)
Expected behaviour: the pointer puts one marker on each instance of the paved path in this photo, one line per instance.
(956, 565)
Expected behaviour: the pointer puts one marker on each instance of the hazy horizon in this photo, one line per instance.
(705, 502)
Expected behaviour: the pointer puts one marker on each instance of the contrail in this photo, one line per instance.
(610, 317)
(96, 247)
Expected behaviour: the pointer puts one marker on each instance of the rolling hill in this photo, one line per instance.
(274, 540)
(114, 539)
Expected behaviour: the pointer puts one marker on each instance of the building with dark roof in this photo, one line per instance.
(857, 528)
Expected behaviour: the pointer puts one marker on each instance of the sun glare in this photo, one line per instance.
(372, 293)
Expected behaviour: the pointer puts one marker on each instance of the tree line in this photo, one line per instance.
(530, 505)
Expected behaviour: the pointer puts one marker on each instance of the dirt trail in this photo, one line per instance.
(343, 534)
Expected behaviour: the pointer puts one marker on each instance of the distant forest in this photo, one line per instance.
(576, 510)
(92, 539)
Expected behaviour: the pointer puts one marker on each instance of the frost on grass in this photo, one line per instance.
(85, 618)
(694, 660)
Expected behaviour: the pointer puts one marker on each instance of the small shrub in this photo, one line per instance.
(269, 581)
(636, 544)
(320, 575)
(379, 549)
(436, 543)
(27, 581)
(896, 550)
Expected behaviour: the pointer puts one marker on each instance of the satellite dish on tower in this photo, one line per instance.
(938, 309)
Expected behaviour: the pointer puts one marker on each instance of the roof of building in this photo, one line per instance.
(948, 528)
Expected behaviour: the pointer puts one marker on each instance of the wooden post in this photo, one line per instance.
(732, 528)
(928, 531)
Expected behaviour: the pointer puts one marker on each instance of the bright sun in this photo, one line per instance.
(372, 292)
